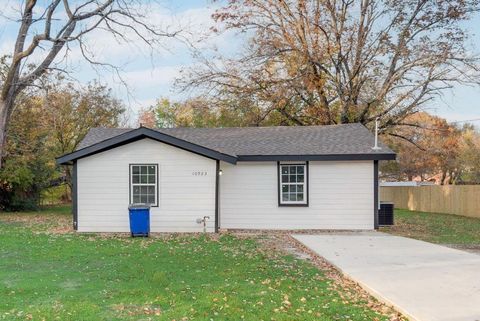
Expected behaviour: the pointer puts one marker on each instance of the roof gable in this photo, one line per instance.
(140, 133)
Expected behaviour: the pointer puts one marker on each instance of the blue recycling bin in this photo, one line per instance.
(139, 220)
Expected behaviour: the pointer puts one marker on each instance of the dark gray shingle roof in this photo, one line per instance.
(280, 140)
(98, 134)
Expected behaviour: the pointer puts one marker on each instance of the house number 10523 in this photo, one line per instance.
(199, 173)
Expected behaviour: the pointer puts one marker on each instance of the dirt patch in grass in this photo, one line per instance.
(137, 310)
(46, 223)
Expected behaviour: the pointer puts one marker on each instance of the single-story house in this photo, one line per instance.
(406, 184)
(312, 177)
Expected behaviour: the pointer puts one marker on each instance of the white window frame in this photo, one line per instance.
(155, 185)
(304, 202)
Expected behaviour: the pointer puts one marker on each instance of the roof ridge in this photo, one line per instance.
(235, 127)
(252, 127)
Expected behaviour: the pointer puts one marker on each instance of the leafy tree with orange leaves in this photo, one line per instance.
(327, 62)
(437, 151)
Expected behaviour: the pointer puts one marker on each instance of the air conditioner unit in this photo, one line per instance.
(385, 214)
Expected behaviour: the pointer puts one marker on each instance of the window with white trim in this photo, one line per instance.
(293, 184)
(144, 184)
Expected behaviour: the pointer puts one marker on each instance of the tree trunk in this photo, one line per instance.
(68, 176)
(444, 176)
(4, 116)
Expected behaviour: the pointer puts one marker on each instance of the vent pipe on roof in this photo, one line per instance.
(376, 147)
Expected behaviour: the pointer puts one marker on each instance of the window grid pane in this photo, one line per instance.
(144, 184)
(292, 183)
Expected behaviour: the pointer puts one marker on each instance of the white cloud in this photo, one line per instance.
(6, 47)
(452, 116)
(152, 77)
(194, 25)
(143, 103)
(149, 74)
(10, 11)
(145, 86)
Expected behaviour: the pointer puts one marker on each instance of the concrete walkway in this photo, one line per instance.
(426, 282)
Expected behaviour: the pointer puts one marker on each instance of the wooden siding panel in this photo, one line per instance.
(340, 197)
(103, 188)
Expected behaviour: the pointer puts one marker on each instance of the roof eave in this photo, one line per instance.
(140, 133)
(324, 157)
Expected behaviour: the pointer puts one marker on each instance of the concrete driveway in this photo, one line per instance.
(424, 281)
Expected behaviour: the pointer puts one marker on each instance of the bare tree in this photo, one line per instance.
(340, 61)
(63, 23)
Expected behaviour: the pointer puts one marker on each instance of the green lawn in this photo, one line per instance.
(49, 273)
(436, 228)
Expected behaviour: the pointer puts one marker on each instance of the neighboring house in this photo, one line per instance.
(405, 184)
(316, 177)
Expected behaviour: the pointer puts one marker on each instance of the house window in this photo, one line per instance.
(144, 184)
(293, 184)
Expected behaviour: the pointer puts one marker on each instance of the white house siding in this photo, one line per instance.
(103, 188)
(340, 197)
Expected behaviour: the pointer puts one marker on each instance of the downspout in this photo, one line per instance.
(376, 204)
(375, 194)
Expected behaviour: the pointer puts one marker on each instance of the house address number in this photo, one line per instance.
(199, 173)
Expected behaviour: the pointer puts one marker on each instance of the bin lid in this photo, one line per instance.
(139, 206)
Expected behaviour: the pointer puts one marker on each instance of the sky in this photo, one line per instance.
(150, 75)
